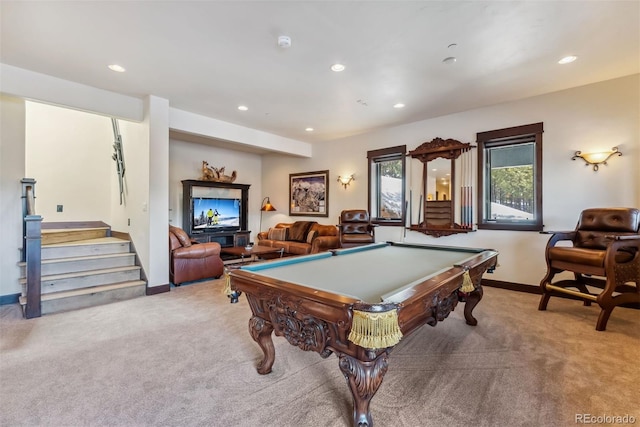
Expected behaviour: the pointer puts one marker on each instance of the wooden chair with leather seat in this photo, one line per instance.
(605, 254)
(355, 228)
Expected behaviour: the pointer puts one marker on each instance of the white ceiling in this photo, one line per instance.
(208, 57)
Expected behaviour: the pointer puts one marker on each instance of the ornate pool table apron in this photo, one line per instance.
(372, 330)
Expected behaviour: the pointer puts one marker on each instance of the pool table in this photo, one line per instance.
(358, 303)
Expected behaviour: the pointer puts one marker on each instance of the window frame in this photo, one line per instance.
(511, 137)
(386, 154)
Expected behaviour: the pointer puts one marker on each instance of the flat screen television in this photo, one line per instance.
(215, 214)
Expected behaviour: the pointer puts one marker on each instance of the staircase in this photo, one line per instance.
(83, 266)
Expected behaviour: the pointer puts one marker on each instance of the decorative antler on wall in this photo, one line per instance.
(215, 174)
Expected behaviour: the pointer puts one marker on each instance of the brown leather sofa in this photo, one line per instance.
(301, 237)
(190, 260)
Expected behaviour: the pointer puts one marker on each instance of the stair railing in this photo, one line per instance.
(31, 249)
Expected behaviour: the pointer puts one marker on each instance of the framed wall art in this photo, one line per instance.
(309, 194)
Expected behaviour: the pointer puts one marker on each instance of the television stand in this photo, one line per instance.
(225, 238)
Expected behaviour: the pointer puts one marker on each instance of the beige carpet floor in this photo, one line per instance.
(185, 358)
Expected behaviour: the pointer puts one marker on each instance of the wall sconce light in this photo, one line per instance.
(345, 180)
(595, 159)
(266, 206)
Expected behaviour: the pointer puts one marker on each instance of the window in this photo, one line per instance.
(386, 185)
(510, 178)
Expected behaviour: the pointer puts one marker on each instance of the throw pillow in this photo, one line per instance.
(277, 234)
(183, 237)
(298, 231)
(312, 235)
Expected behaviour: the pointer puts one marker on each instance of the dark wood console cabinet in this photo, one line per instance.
(194, 189)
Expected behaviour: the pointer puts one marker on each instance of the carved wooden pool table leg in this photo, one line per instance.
(364, 379)
(471, 300)
(260, 331)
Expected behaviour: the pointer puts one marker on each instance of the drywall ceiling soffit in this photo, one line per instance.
(215, 142)
(227, 145)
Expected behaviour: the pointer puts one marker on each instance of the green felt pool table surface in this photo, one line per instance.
(373, 273)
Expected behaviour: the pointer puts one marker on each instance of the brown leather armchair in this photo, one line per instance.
(190, 260)
(606, 244)
(355, 228)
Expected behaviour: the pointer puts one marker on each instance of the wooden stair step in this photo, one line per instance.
(88, 291)
(63, 225)
(87, 258)
(83, 263)
(50, 236)
(85, 279)
(90, 297)
(103, 245)
(76, 274)
(87, 242)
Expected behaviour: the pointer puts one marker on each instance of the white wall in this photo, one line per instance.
(588, 118)
(68, 153)
(157, 122)
(597, 116)
(12, 170)
(339, 159)
(186, 163)
(144, 213)
(121, 214)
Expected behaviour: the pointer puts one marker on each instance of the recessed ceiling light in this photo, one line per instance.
(243, 108)
(117, 68)
(399, 105)
(309, 129)
(567, 59)
(337, 68)
(449, 60)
